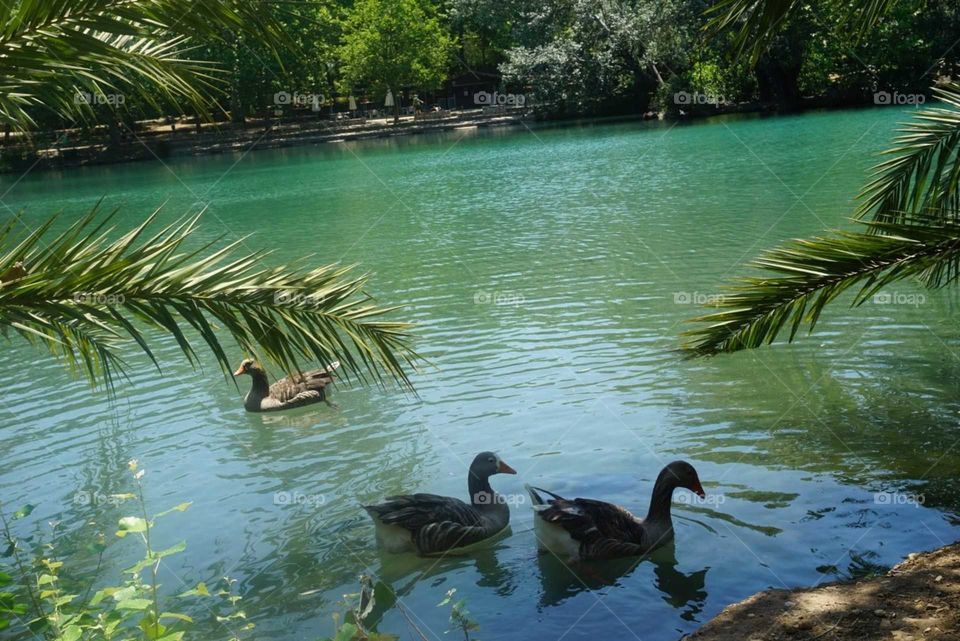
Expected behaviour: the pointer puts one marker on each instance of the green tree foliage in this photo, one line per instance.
(394, 44)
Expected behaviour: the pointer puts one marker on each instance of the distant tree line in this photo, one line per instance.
(566, 57)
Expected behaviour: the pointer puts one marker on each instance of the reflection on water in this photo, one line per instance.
(684, 591)
(548, 276)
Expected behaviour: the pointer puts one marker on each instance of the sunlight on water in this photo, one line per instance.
(549, 272)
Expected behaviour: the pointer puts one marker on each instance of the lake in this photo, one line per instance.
(549, 272)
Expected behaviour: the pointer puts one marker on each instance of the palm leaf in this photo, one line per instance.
(804, 275)
(87, 294)
(923, 173)
(756, 22)
(55, 54)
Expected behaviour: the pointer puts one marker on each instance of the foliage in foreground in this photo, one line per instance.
(86, 293)
(39, 599)
(73, 56)
(50, 605)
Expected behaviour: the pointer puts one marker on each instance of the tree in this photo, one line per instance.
(910, 210)
(391, 44)
(89, 290)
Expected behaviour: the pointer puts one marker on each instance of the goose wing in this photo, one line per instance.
(436, 523)
(308, 385)
(603, 530)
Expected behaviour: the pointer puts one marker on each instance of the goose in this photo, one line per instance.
(296, 390)
(585, 529)
(428, 523)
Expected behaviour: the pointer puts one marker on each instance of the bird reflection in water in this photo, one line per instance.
(403, 571)
(683, 591)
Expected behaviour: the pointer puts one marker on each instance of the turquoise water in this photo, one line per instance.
(549, 272)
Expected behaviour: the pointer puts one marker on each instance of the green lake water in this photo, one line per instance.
(549, 273)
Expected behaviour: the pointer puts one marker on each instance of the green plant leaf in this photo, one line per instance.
(200, 590)
(71, 633)
(133, 604)
(346, 632)
(23, 512)
(175, 615)
(131, 524)
(182, 507)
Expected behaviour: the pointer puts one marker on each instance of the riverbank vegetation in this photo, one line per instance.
(559, 58)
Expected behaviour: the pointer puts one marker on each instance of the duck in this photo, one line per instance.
(429, 523)
(587, 529)
(296, 390)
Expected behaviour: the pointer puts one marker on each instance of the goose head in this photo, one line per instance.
(250, 367)
(486, 464)
(682, 474)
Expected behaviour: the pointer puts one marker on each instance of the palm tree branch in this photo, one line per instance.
(804, 275)
(923, 172)
(126, 285)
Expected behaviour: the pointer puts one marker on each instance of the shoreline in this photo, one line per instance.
(918, 599)
(155, 140)
(164, 139)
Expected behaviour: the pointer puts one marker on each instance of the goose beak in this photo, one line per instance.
(239, 371)
(698, 490)
(503, 468)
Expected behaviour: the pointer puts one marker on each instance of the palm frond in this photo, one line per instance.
(757, 22)
(923, 174)
(87, 294)
(64, 55)
(804, 275)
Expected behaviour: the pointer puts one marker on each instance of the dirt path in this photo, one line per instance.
(919, 599)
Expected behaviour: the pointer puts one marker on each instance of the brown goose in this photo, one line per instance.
(296, 390)
(427, 523)
(585, 529)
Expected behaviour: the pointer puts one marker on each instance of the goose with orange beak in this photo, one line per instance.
(428, 523)
(586, 529)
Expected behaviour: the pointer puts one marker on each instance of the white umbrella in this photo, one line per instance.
(353, 104)
(388, 101)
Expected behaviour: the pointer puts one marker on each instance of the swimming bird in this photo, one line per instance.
(585, 529)
(428, 523)
(295, 390)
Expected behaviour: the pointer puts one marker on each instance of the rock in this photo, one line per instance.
(939, 578)
(880, 613)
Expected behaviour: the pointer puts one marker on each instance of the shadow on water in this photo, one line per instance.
(683, 591)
